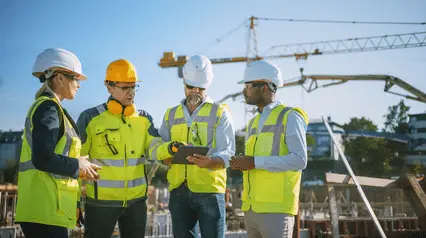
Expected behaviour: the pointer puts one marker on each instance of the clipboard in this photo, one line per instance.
(185, 151)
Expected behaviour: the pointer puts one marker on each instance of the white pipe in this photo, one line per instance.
(358, 186)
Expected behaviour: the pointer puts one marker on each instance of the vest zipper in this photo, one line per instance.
(125, 169)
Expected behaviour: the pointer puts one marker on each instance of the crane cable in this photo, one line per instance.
(226, 35)
(340, 22)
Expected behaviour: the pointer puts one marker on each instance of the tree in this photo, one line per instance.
(367, 155)
(397, 122)
(397, 118)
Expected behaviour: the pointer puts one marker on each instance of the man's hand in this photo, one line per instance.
(168, 161)
(242, 163)
(174, 146)
(207, 162)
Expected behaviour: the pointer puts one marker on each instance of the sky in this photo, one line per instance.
(99, 32)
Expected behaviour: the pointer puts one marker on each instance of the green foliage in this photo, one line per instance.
(378, 157)
(239, 144)
(365, 153)
(397, 118)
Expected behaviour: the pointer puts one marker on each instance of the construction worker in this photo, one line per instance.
(120, 140)
(50, 161)
(198, 190)
(275, 155)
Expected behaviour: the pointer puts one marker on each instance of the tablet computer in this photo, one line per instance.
(185, 151)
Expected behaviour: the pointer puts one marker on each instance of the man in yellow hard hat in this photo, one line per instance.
(119, 139)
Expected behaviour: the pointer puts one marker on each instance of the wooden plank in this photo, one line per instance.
(296, 228)
(333, 211)
(363, 181)
(415, 194)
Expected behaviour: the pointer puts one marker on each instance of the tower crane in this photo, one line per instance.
(303, 50)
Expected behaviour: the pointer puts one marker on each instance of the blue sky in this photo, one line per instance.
(99, 32)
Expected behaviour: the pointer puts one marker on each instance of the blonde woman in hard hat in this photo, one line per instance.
(50, 160)
(275, 155)
(197, 190)
(120, 139)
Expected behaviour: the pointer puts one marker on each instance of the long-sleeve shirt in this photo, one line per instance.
(225, 134)
(47, 130)
(295, 138)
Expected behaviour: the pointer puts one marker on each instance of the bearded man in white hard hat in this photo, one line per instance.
(197, 190)
(275, 155)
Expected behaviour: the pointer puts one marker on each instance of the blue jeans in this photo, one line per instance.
(187, 208)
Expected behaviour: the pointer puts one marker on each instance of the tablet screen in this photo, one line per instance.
(185, 151)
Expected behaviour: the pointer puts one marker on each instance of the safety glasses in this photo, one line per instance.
(72, 77)
(127, 89)
(192, 87)
(248, 86)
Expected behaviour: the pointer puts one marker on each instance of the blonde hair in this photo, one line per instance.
(46, 87)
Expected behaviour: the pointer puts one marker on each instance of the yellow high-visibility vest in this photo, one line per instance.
(120, 145)
(264, 191)
(202, 132)
(58, 194)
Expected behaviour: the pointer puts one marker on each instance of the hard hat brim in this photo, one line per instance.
(253, 80)
(137, 81)
(80, 76)
(192, 83)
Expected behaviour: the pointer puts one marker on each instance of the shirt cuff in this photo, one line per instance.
(225, 158)
(259, 162)
(75, 175)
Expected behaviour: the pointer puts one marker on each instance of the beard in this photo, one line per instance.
(194, 99)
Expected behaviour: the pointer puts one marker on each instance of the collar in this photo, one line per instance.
(50, 94)
(270, 106)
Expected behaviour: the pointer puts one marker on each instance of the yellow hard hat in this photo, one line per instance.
(121, 71)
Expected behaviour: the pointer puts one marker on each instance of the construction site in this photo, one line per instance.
(335, 201)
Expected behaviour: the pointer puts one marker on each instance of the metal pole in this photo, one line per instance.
(358, 186)
(5, 206)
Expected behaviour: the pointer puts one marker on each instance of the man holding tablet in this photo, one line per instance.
(197, 188)
(275, 155)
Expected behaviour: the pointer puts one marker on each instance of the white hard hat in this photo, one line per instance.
(263, 70)
(57, 57)
(198, 71)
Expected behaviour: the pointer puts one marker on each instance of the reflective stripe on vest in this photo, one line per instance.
(119, 162)
(119, 183)
(212, 119)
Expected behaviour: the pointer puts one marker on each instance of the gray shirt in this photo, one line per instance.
(295, 138)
